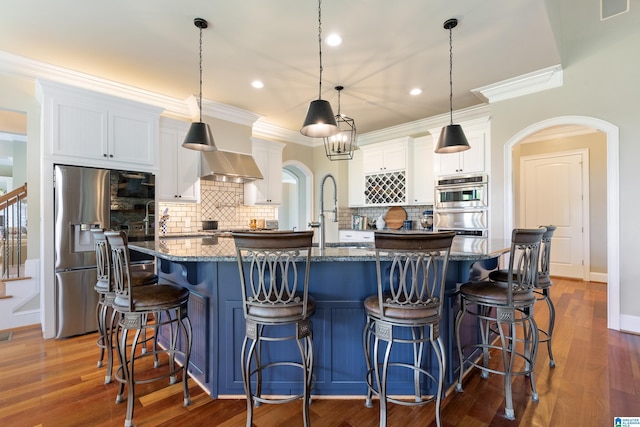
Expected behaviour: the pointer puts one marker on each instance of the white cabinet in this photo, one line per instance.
(178, 178)
(356, 180)
(384, 172)
(356, 236)
(266, 191)
(97, 129)
(421, 184)
(469, 161)
(385, 156)
(473, 160)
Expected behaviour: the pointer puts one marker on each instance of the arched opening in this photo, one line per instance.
(296, 210)
(613, 199)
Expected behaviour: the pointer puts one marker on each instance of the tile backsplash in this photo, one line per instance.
(220, 201)
(414, 213)
(223, 201)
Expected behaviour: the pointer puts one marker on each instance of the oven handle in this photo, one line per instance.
(444, 211)
(459, 186)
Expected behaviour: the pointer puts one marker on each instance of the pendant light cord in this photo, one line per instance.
(339, 90)
(200, 98)
(451, 74)
(320, 46)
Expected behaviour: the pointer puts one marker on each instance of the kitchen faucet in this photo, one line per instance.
(146, 217)
(320, 224)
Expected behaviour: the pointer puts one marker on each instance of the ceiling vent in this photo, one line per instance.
(611, 8)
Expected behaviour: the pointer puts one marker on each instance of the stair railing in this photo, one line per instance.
(13, 232)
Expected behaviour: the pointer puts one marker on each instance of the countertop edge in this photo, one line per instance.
(337, 254)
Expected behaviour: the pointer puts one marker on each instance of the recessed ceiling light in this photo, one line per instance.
(333, 39)
(415, 91)
(257, 84)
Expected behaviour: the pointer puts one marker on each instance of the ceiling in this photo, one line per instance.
(388, 48)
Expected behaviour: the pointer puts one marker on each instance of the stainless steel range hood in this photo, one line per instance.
(228, 166)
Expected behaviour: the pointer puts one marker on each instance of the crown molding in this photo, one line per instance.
(536, 81)
(24, 67)
(265, 130)
(221, 111)
(424, 126)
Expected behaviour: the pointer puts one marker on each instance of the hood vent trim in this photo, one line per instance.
(228, 166)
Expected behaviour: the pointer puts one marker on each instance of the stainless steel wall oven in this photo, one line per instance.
(462, 192)
(462, 205)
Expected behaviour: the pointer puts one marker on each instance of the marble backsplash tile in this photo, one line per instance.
(223, 202)
(220, 201)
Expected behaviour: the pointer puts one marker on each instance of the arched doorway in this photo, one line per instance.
(297, 183)
(613, 199)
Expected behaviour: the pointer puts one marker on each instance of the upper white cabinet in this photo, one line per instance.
(97, 129)
(178, 177)
(385, 156)
(421, 185)
(385, 172)
(356, 180)
(266, 191)
(473, 160)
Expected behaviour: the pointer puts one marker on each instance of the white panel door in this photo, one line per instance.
(554, 190)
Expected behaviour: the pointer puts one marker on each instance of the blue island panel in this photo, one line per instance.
(339, 285)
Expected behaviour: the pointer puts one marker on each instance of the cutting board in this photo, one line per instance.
(395, 216)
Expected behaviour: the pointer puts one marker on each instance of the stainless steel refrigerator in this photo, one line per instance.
(86, 199)
(81, 201)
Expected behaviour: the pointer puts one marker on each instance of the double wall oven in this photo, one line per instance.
(462, 205)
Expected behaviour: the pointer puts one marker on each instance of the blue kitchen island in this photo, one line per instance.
(340, 279)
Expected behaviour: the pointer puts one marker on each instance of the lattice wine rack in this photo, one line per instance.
(385, 188)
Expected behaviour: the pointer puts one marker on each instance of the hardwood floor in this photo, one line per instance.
(56, 383)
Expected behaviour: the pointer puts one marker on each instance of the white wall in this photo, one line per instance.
(600, 81)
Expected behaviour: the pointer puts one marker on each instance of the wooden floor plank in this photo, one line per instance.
(56, 383)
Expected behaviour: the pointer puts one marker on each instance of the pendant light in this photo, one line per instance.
(452, 137)
(320, 121)
(341, 145)
(199, 136)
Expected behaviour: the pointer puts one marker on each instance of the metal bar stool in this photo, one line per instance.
(542, 288)
(133, 305)
(502, 308)
(106, 295)
(274, 277)
(407, 310)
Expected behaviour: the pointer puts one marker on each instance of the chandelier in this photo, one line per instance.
(341, 145)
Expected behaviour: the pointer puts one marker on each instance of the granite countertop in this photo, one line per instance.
(222, 248)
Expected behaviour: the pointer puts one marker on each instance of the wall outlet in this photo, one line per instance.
(187, 222)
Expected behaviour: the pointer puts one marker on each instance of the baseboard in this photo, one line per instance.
(598, 277)
(630, 324)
